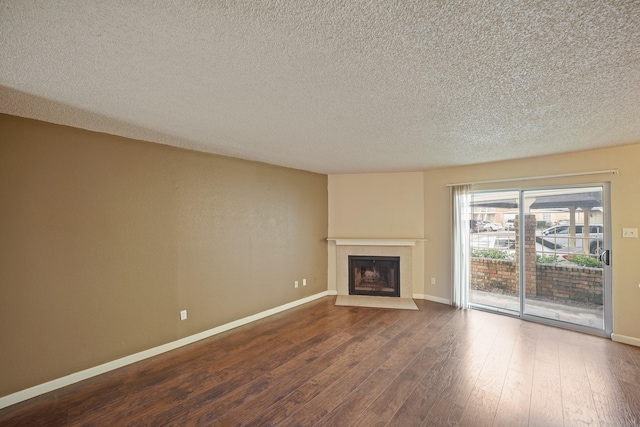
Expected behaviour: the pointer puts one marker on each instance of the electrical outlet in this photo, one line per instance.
(295, 284)
(433, 280)
(631, 233)
(304, 282)
(183, 314)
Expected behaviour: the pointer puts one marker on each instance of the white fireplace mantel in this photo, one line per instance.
(374, 242)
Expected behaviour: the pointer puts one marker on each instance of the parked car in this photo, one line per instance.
(476, 225)
(495, 226)
(508, 225)
(559, 236)
(480, 225)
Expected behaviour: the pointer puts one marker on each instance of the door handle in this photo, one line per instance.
(605, 257)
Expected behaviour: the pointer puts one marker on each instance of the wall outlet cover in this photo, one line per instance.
(630, 233)
(183, 315)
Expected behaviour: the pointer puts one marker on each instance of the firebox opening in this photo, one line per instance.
(374, 275)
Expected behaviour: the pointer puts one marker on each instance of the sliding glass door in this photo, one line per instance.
(542, 254)
(494, 280)
(563, 267)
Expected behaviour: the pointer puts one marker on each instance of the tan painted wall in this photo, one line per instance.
(105, 239)
(625, 212)
(387, 205)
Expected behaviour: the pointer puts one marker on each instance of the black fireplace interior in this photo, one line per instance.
(374, 275)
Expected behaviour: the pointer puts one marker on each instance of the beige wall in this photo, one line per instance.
(625, 212)
(104, 240)
(387, 205)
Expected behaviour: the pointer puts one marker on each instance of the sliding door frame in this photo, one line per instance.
(607, 277)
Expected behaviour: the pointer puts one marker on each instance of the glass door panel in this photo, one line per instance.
(563, 235)
(494, 279)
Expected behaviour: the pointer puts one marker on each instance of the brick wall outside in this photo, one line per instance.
(581, 284)
(489, 274)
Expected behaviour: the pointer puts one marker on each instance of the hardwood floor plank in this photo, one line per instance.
(451, 378)
(576, 415)
(323, 365)
(515, 400)
(358, 400)
(633, 354)
(354, 349)
(480, 410)
(599, 373)
(284, 381)
(546, 396)
(416, 407)
(422, 382)
(548, 353)
(573, 377)
(623, 364)
(443, 412)
(379, 387)
(435, 384)
(464, 359)
(334, 394)
(521, 359)
(337, 380)
(614, 411)
(269, 382)
(494, 371)
(631, 392)
(46, 415)
(470, 356)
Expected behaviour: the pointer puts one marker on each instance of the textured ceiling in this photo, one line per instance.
(332, 86)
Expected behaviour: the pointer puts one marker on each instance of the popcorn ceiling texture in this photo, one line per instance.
(332, 86)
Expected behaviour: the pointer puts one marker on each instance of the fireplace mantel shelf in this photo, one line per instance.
(341, 241)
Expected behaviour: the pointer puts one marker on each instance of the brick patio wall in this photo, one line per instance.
(489, 274)
(581, 284)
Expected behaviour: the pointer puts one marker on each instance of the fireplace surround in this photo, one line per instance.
(402, 248)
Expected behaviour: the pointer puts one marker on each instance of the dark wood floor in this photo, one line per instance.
(324, 365)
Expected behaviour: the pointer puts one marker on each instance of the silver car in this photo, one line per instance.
(559, 236)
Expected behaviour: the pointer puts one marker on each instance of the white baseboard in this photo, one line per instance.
(625, 339)
(432, 298)
(332, 292)
(39, 389)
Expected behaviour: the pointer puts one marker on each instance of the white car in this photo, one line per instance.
(495, 226)
(486, 226)
(559, 236)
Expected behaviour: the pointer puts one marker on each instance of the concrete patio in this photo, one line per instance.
(580, 315)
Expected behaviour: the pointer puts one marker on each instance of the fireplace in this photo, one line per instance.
(405, 249)
(374, 275)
